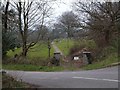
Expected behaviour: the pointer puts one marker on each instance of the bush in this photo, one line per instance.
(10, 82)
(23, 60)
(54, 62)
(76, 48)
(79, 45)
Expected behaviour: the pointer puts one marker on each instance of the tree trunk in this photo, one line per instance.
(107, 36)
(25, 48)
(6, 16)
(24, 52)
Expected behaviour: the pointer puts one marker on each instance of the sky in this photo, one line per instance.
(60, 7)
(63, 6)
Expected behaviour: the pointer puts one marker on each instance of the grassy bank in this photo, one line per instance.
(32, 67)
(9, 82)
(108, 61)
(64, 45)
(37, 56)
(103, 57)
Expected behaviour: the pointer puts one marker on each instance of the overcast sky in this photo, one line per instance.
(62, 6)
(59, 7)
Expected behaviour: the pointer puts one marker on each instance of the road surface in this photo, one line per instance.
(101, 78)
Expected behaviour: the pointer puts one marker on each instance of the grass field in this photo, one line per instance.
(64, 45)
(38, 51)
(41, 51)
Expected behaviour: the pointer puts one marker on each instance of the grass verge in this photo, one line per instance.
(111, 59)
(32, 68)
(9, 82)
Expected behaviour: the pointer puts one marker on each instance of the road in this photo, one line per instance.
(101, 78)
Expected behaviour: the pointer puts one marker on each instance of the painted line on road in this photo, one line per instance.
(97, 79)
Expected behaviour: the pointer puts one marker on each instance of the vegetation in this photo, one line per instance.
(64, 45)
(27, 32)
(38, 51)
(108, 61)
(9, 82)
(102, 20)
(102, 57)
(96, 31)
(32, 67)
(9, 38)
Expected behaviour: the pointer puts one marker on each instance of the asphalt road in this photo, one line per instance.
(101, 78)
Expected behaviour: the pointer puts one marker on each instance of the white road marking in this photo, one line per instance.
(97, 79)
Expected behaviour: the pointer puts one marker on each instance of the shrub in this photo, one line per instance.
(79, 45)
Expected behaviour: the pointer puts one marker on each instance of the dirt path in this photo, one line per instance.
(57, 49)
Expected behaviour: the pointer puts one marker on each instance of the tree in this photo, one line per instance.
(69, 21)
(9, 26)
(6, 15)
(30, 14)
(58, 31)
(100, 19)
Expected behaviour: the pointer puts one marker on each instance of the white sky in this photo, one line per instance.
(60, 7)
(63, 6)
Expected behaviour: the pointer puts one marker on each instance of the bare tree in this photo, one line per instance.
(6, 15)
(9, 27)
(43, 33)
(69, 21)
(100, 19)
(31, 13)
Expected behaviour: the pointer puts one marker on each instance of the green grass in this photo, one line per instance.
(24, 67)
(64, 45)
(113, 58)
(90, 44)
(11, 53)
(38, 51)
(32, 67)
